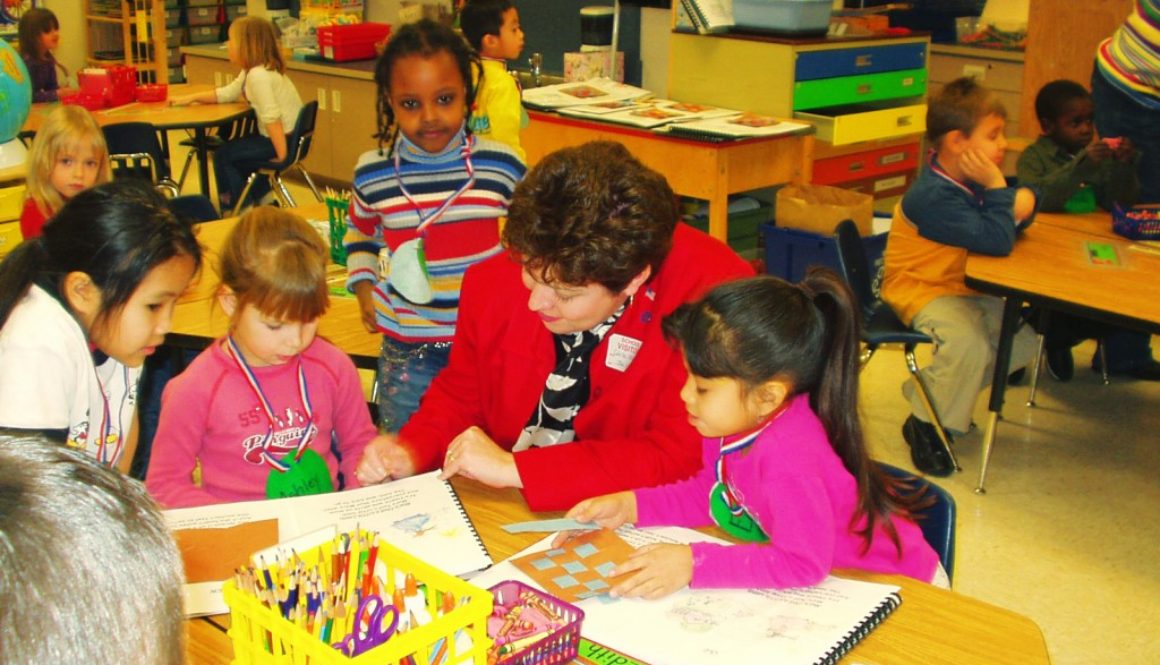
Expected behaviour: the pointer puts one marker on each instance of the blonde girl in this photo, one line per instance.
(39, 34)
(68, 156)
(259, 408)
(253, 46)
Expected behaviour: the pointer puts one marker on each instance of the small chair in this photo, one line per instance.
(135, 152)
(243, 126)
(937, 521)
(193, 208)
(880, 325)
(297, 147)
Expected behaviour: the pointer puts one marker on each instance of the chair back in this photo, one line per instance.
(855, 267)
(135, 152)
(937, 521)
(193, 208)
(298, 142)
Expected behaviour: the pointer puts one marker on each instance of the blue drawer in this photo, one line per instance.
(812, 65)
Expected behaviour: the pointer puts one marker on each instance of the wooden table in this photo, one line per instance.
(198, 118)
(197, 319)
(700, 169)
(931, 627)
(1049, 268)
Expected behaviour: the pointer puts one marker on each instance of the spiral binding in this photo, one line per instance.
(467, 519)
(869, 623)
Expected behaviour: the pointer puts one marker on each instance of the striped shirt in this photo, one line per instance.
(1130, 58)
(467, 232)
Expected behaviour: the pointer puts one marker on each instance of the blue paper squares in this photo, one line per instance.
(605, 569)
(584, 551)
(574, 567)
(543, 564)
(565, 581)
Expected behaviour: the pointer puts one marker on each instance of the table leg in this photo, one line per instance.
(1007, 330)
(199, 139)
(719, 215)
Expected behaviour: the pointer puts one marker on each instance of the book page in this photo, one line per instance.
(707, 627)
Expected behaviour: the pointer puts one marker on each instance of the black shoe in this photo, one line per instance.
(1016, 378)
(1060, 364)
(926, 450)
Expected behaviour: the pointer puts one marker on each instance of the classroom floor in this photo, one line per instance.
(1069, 524)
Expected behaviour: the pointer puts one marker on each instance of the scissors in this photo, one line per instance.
(374, 624)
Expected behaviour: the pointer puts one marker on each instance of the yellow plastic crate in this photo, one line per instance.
(261, 635)
(11, 202)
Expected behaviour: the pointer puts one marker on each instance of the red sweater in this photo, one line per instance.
(31, 220)
(633, 432)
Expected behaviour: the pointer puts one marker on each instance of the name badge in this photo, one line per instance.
(621, 351)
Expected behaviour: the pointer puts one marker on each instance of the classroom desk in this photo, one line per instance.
(197, 319)
(1049, 267)
(931, 627)
(199, 118)
(700, 169)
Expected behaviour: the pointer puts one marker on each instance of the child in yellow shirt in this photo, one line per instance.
(492, 27)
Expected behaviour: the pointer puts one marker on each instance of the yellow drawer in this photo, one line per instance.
(865, 122)
(11, 202)
(9, 237)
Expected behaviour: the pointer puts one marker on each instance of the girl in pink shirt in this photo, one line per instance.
(773, 388)
(270, 410)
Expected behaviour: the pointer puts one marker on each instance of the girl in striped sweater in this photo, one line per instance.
(426, 206)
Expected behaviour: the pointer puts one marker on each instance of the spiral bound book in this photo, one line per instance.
(806, 626)
(420, 515)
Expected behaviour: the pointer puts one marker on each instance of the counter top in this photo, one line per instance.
(363, 70)
(976, 52)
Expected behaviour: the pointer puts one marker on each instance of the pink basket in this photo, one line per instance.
(558, 647)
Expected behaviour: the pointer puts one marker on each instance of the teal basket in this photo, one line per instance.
(336, 210)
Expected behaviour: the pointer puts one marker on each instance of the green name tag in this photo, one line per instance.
(741, 526)
(309, 475)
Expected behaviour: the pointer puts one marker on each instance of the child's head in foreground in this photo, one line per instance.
(88, 570)
(965, 115)
(1065, 111)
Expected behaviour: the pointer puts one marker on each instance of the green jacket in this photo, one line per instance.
(1058, 175)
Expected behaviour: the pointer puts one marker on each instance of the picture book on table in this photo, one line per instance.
(420, 515)
(801, 626)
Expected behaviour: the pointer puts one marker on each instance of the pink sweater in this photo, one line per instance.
(210, 413)
(792, 482)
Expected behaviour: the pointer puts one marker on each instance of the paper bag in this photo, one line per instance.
(819, 208)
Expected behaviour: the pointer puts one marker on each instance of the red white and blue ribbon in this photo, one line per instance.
(256, 387)
(431, 217)
(728, 449)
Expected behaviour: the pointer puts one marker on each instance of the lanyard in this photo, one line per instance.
(430, 218)
(728, 449)
(303, 398)
(105, 436)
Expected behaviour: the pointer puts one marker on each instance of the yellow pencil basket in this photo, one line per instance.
(261, 635)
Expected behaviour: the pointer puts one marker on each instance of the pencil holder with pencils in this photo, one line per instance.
(1141, 222)
(337, 207)
(304, 611)
(530, 627)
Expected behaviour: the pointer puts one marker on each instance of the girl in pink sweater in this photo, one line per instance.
(270, 410)
(773, 388)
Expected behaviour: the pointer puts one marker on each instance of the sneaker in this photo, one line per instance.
(1060, 364)
(926, 450)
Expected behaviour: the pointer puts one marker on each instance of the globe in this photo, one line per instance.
(15, 101)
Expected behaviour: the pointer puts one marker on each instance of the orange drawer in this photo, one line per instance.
(881, 186)
(866, 164)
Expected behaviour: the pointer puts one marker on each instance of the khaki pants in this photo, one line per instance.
(965, 330)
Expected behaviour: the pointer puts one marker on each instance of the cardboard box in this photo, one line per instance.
(819, 208)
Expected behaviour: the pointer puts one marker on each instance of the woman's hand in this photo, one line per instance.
(384, 459)
(660, 569)
(364, 291)
(473, 454)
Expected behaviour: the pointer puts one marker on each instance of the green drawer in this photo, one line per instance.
(857, 89)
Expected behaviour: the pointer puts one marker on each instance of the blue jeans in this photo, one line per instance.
(405, 371)
(1116, 115)
(235, 161)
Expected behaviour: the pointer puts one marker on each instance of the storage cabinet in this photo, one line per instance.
(865, 96)
(128, 32)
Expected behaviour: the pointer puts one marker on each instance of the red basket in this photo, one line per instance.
(1138, 223)
(88, 101)
(557, 648)
(152, 92)
(343, 43)
(116, 84)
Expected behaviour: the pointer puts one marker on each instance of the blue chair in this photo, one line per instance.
(193, 208)
(880, 325)
(135, 151)
(297, 148)
(937, 521)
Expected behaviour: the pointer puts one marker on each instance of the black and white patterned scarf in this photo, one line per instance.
(566, 389)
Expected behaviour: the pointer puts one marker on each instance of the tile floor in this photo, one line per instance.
(1072, 502)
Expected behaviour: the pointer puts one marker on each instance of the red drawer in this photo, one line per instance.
(867, 164)
(883, 185)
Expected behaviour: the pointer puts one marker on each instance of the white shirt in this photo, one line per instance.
(48, 380)
(272, 95)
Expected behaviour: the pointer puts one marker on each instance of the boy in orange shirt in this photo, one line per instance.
(960, 203)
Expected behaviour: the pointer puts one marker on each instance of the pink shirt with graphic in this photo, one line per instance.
(210, 413)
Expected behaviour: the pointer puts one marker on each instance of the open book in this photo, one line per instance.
(708, 16)
(744, 125)
(421, 515)
(581, 93)
(701, 627)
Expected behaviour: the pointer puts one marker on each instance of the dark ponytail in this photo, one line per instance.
(758, 329)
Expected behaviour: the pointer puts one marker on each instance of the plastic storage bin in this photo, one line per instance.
(561, 646)
(789, 252)
(343, 43)
(743, 228)
(205, 34)
(789, 17)
(260, 635)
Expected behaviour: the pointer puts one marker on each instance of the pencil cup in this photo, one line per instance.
(560, 644)
(337, 209)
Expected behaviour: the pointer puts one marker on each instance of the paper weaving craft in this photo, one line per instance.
(581, 569)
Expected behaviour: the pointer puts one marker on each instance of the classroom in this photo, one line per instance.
(770, 121)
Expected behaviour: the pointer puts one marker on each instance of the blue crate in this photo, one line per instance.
(788, 252)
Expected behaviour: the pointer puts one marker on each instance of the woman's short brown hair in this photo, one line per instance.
(591, 214)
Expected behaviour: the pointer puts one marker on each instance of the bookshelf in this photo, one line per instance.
(127, 32)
